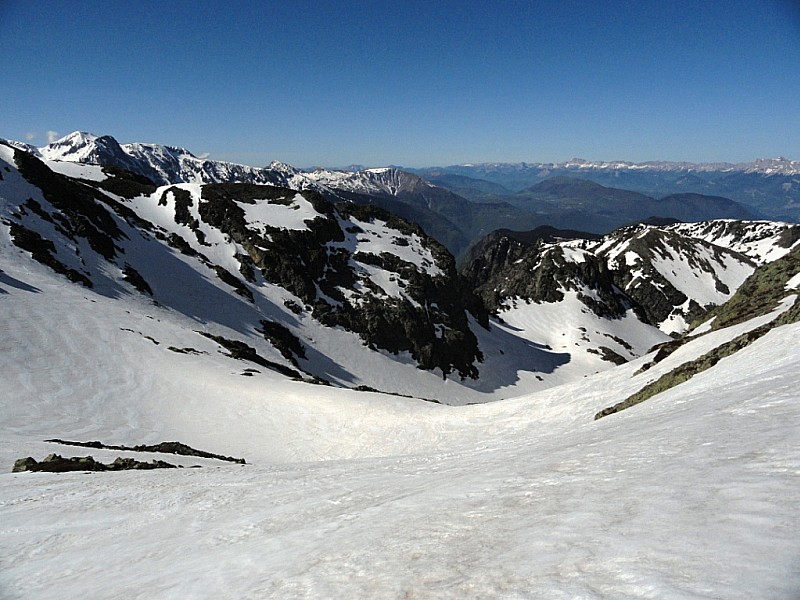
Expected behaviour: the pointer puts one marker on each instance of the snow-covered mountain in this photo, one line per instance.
(172, 165)
(211, 314)
(306, 278)
(765, 166)
(448, 217)
(261, 261)
(389, 181)
(761, 241)
(162, 164)
(651, 277)
(693, 493)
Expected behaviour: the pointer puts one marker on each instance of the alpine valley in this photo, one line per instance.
(505, 381)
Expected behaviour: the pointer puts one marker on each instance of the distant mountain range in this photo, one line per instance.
(285, 267)
(768, 187)
(458, 205)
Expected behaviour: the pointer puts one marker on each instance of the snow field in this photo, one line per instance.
(683, 496)
(570, 327)
(292, 216)
(700, 284)
(78, 170)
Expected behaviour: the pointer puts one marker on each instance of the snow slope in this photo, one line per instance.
(762, 241)
(348, 495)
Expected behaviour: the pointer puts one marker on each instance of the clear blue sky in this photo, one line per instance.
(410, 83)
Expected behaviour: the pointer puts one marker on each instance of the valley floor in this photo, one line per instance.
(693, 494)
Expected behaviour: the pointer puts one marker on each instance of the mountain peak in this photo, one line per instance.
(81, 146)
(283, 167)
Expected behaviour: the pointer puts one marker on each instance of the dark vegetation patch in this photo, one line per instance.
(760, 293)
(133, 277)
(163, 447)
(688, 370)
(662, 351)
(241, 351)
(789, 237)
(283, 340)
(42, 250)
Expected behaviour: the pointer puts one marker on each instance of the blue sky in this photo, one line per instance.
(410, 83)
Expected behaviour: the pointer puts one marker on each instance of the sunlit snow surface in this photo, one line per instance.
(356, 495)
(758, 243)
(78, 170)
(291, 215)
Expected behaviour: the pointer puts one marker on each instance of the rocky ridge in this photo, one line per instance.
(288, 255)
(669, 276)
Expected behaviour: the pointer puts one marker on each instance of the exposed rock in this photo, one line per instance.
(80, 206)
(133, 277)
(540, 272)
(309, 264)
(242, 351)
(54, 463)
(769, 281)
(187, 350)
(165, 447)
(126, 184)
(284, 341)
(42, 250)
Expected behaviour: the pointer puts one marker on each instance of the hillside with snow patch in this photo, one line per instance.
(350, 494)
(214, 314)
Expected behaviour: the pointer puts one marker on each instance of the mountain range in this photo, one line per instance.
(768, 187)
(288, 267)
(459, 212)
(569, 411)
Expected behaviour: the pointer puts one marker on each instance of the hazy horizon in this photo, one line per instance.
(411, 83)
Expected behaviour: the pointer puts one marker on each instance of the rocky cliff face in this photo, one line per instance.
(666, 276)
(344, 266)
(542, 271)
